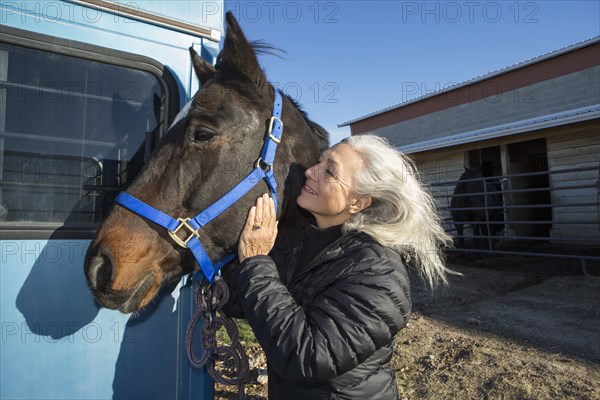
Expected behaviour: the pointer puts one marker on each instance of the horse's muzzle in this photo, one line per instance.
(100, 272)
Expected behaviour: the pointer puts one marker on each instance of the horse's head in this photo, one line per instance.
(211, 148)
(467, 183)
(471, 173)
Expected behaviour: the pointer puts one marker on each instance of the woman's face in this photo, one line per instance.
(328, 192)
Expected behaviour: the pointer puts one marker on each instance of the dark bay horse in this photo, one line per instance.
(202, 157)
(477, 203)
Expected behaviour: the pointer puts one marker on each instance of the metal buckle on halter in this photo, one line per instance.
(192, 233)
(271, 123)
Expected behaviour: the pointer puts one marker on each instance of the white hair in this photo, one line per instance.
(402, 214)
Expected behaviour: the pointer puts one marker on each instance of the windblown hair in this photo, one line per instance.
(402, 214)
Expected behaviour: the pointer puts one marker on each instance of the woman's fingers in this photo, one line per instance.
(250, 221)
(260, 231)
(266, 200)
(271, 214)
(259, 211)
(265, 211)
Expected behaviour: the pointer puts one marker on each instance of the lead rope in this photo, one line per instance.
(210, 301)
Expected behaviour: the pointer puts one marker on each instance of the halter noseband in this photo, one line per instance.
(263, 169)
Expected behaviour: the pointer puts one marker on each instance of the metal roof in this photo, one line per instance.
(512, 128)
(489, 75)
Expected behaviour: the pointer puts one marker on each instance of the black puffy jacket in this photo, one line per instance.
(328, 331)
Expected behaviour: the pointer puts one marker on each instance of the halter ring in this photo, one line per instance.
(262, 165)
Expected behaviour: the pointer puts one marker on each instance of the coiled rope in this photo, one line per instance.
(210, 301)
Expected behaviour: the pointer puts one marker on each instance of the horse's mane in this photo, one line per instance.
(320, 134)
(263, 47)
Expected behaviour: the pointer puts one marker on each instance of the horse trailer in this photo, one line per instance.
(86, 90)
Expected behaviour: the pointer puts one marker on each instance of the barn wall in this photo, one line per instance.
(567, 92)
(568, 149)
(437, 167)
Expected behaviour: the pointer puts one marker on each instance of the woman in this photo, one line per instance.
(327, 301)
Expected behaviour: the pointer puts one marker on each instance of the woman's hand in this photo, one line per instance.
(260, 230)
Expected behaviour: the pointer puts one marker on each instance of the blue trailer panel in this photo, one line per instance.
(86, 90)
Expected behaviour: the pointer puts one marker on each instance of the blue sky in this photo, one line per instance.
(349, 58)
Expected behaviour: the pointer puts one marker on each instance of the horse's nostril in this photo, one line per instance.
(100, 272)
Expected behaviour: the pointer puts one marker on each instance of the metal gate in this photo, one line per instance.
(560, 218)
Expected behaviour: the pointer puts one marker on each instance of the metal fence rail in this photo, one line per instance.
(563, 213)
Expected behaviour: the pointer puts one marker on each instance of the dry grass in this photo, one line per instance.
(435, 360)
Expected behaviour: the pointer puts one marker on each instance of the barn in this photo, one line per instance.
(532, 129)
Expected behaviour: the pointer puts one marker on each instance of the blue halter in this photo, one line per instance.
(263, 169)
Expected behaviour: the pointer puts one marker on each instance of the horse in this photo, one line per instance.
(476, 205)
(207, 151)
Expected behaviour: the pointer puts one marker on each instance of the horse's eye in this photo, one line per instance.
(203, 135)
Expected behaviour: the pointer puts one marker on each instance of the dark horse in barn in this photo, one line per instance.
(477, 203)
(212, 148)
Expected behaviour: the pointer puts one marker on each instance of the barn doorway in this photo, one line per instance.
(488, 159)
(528, 160)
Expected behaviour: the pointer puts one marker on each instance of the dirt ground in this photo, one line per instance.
(508, 328)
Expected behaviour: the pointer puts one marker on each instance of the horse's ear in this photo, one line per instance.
(204, 70)
(239, 54)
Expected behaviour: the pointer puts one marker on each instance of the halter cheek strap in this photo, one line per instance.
(263, 170)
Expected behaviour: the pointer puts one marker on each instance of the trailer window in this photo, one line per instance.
(73, 132)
